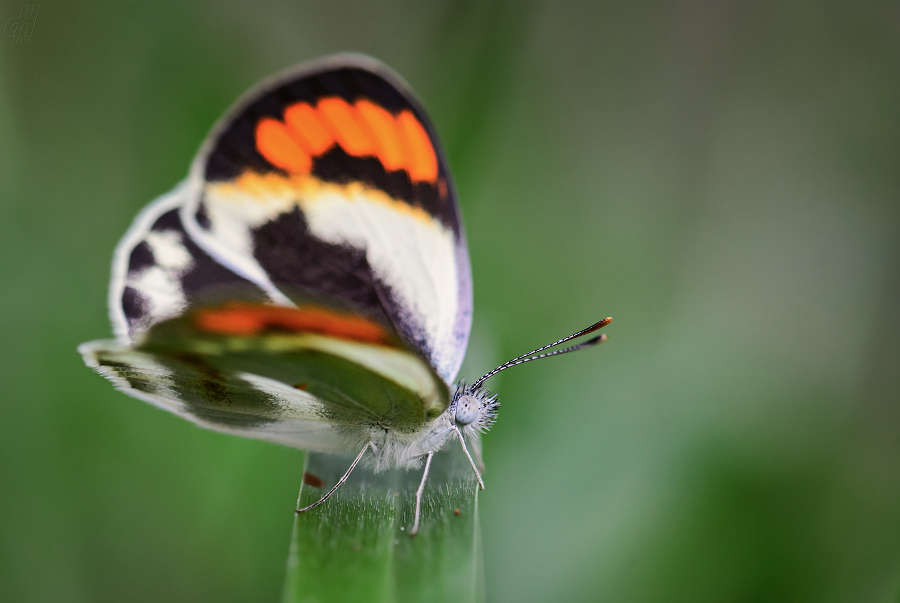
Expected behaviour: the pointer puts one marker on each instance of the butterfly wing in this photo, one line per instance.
(327, 186)
(158, 272)
(261, 321)
(199, 340)
(211, 392)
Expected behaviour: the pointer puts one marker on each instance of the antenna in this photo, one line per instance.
(530, 355)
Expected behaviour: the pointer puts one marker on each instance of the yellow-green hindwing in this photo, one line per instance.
(304, 390)
(378, 383)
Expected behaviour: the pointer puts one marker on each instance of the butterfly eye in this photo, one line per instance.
(467, 410)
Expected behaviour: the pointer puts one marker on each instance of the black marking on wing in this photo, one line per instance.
(133, 305)
(201, 217)
(337, 166)
(141, 257)
(298, 262)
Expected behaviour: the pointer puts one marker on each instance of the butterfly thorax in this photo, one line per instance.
(472, 411)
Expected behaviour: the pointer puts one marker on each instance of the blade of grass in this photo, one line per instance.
(356, 546)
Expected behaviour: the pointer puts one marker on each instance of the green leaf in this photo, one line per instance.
(356, 546)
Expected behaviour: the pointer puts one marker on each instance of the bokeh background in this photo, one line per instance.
(720, 177)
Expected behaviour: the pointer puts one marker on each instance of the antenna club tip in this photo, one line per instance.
(606, 321)
(597, 326)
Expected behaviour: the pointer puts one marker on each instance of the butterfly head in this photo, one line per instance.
(473, 408)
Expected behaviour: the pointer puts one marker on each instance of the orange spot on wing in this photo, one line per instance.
(306, 124)
(276, 144)
(421, 162)
(363, 129)
(240, 319)
(229, 322)
(389, 147)
(345, 127)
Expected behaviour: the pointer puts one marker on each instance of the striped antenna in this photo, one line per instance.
(534, 355)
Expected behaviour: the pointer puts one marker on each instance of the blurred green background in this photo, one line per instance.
(720, 177)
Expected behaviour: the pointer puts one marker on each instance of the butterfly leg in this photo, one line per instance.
(340, 481)
(419, 492)
(462, 441)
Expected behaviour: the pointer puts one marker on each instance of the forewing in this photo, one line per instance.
(327, 186)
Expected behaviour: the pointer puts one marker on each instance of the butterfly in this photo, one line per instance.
(309, 283)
